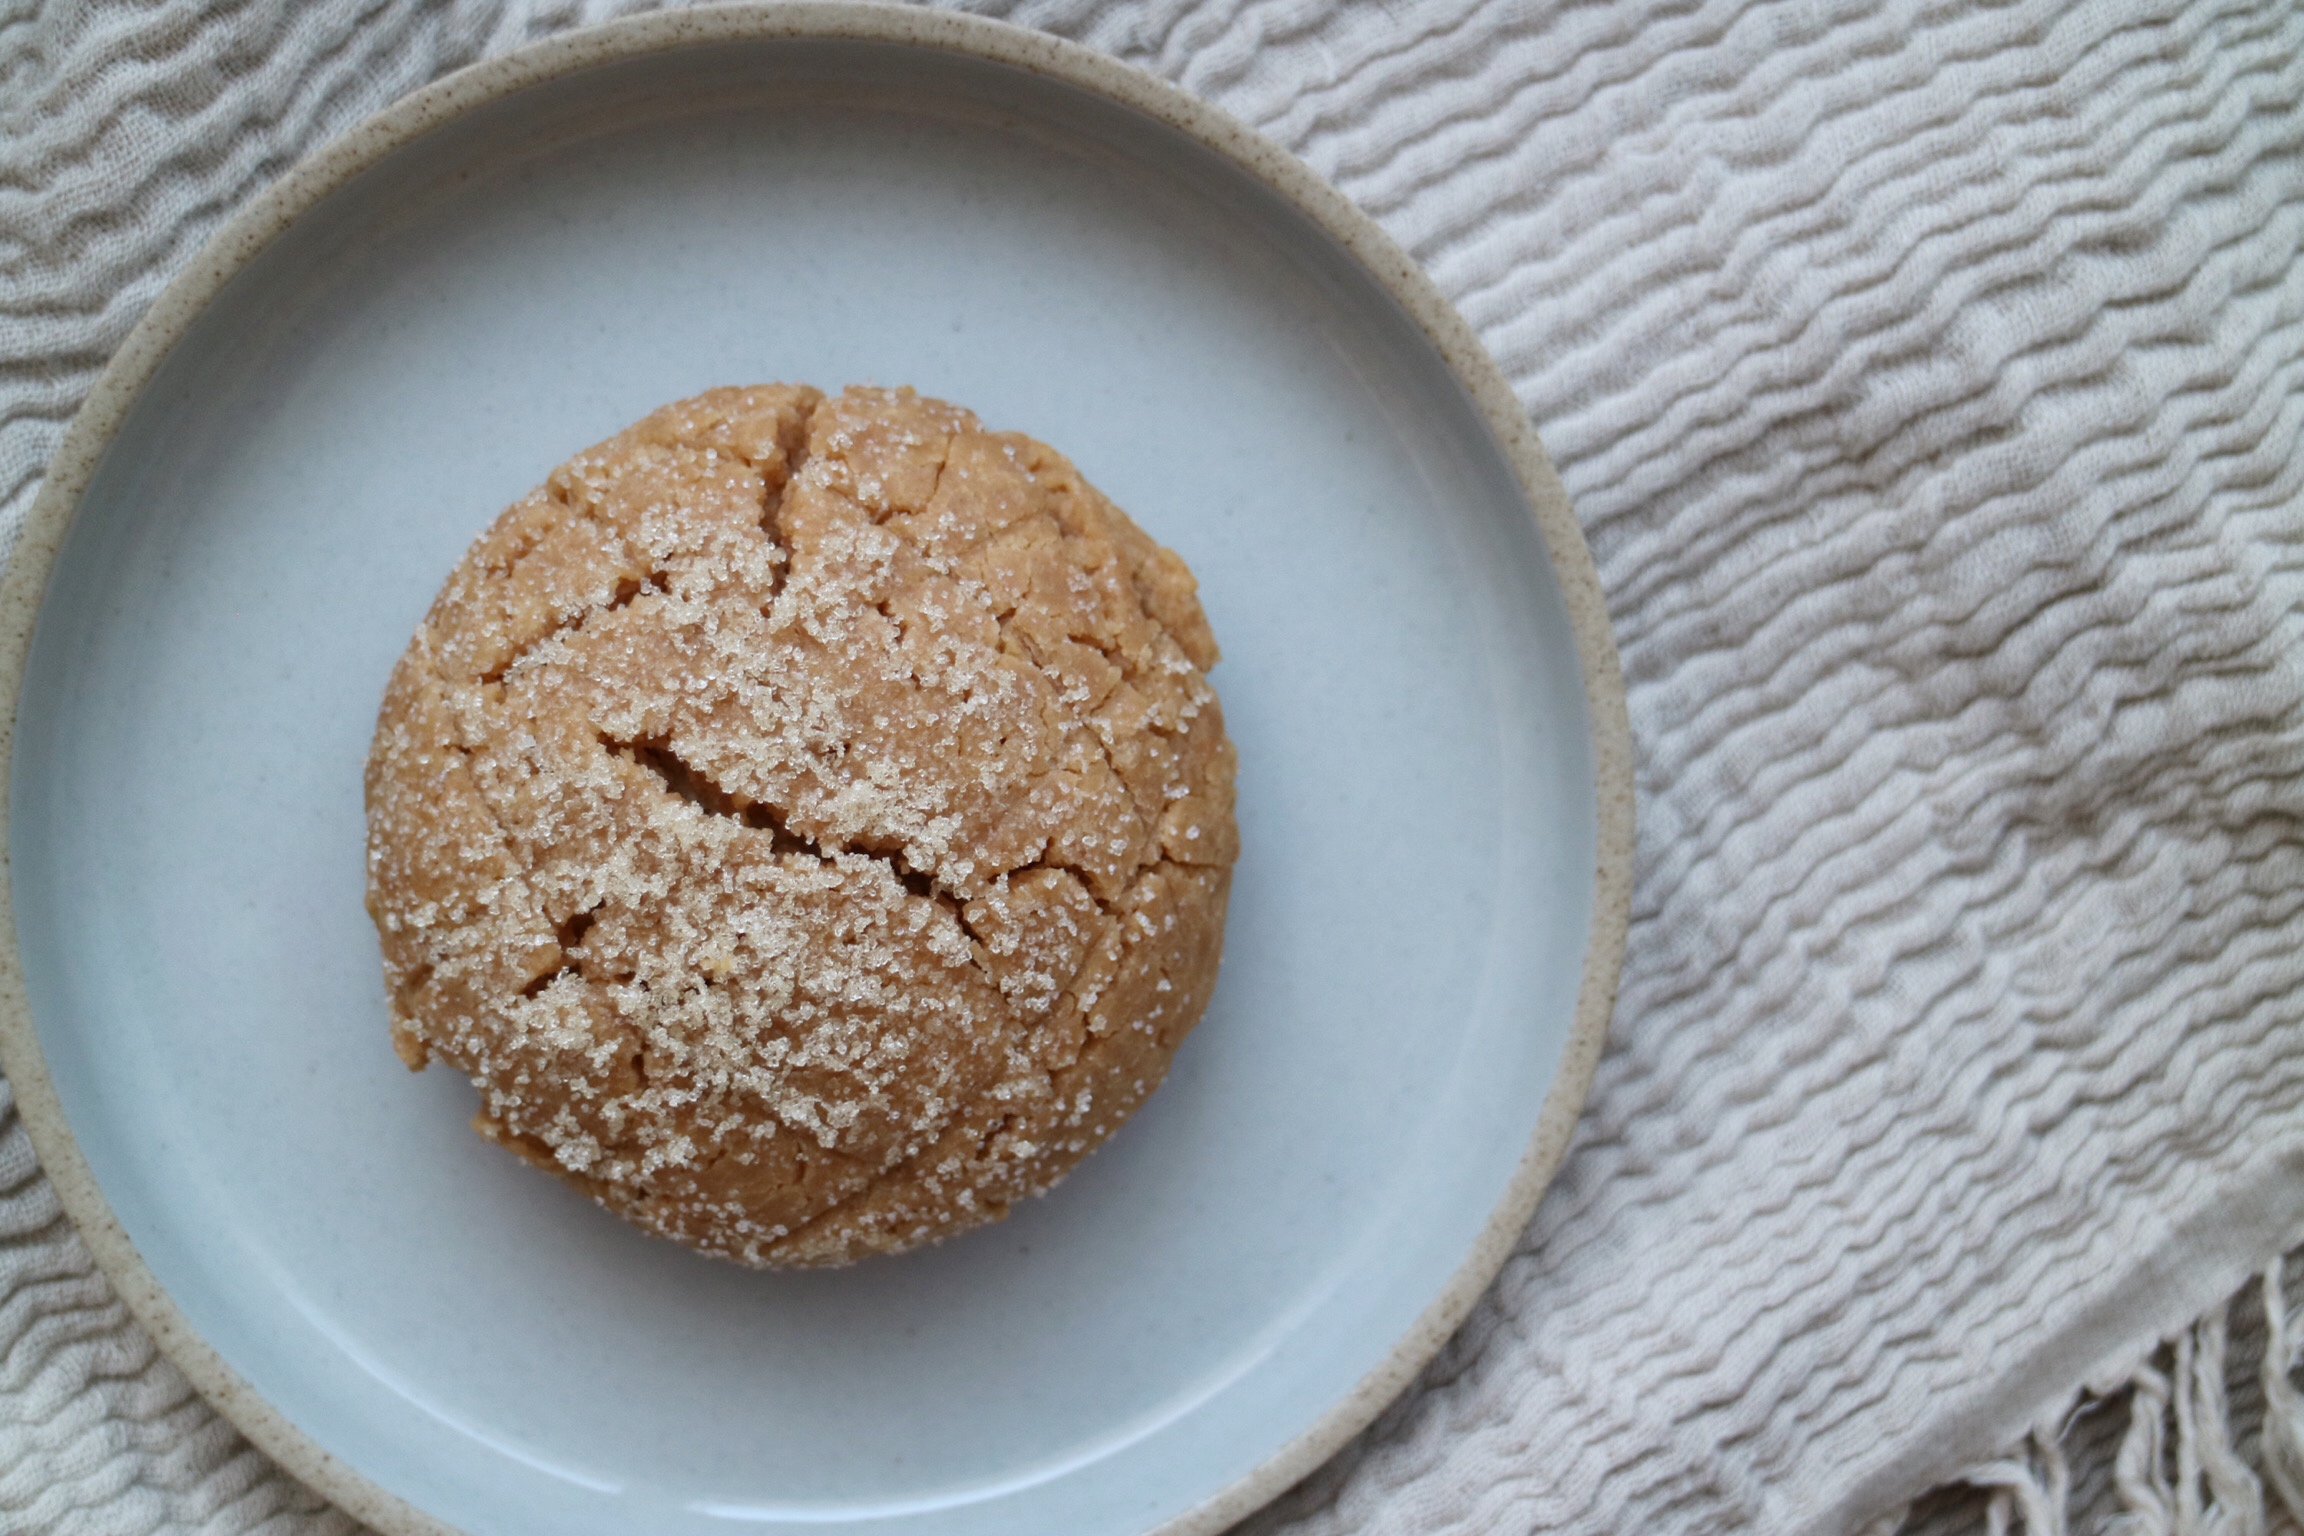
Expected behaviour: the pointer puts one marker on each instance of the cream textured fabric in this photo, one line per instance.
(1929, 379)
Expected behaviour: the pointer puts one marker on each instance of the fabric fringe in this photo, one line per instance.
(2282, 1448)
(2179, 1468)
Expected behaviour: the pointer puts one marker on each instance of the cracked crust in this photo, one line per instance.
(806, 820)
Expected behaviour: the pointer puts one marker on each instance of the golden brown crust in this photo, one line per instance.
(806, 820)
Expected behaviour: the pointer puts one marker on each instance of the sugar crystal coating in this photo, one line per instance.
(807, 821)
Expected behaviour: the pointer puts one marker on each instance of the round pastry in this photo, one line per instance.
(807, 820)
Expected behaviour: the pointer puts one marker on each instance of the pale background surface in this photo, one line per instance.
(1929, 380)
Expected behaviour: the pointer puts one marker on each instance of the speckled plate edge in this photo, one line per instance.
(132, 367)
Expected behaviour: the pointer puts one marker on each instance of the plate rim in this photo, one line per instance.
(187, 295)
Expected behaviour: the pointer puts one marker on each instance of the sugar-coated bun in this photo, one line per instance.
(807, 820)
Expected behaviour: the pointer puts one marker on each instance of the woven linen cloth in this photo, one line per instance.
(1928, 378)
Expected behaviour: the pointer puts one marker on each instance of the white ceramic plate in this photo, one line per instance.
(271, 483)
